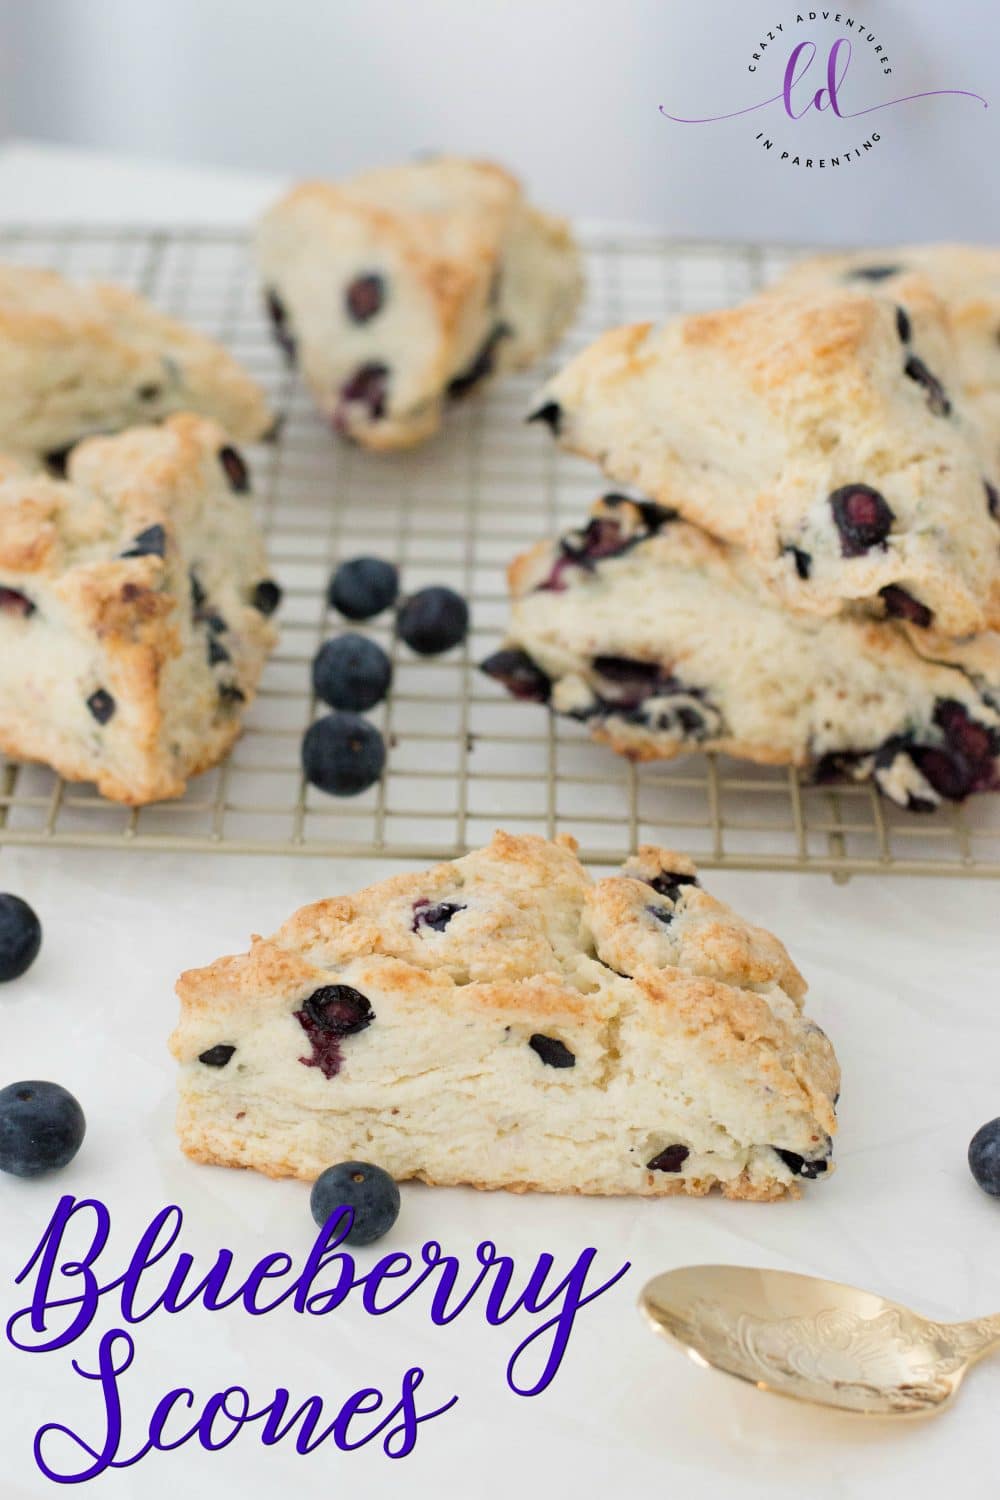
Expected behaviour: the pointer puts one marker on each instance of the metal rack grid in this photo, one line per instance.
(462, 759)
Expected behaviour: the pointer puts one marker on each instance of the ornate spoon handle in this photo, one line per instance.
(969, 1341)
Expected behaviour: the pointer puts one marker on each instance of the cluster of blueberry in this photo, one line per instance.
(342, 753)
(42, 1125)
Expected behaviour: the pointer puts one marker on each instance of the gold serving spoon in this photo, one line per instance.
(816, 1340)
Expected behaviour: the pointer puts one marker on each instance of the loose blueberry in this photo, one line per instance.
(101, 705)
(802, 560)
(481, 366)
(351, 672)
(436, 916)
(266, 596)
(149, 543)
(936, 398)
(13, 602)
(862, 517)
(551, 415)
(902, 606)
(279, 323)
(364, 586)
(984, 1158)
(217, 1057)
(364, 297)
(368, 387)
(20, 937)
(554, 1053)
(41, 1128)
(903, 326)
(519, 674)
(433, 620)
(343, 754)
(873, 273)
(235, 469)
(670, 1159)
(367, 1191)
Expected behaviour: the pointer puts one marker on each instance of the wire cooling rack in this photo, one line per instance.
(463, 759)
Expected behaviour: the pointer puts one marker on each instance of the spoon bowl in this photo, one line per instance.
(815, 1340)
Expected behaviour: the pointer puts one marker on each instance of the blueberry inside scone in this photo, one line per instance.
(505, 1021)
(662, 640)
(135, 609)
(404, 289)
(824, 430)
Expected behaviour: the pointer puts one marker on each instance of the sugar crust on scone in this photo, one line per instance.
(131, 644)
(670, 1024)
(461, 279)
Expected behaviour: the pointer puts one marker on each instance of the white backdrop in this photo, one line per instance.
(567, 91)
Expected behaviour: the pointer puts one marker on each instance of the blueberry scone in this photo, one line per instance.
(134, 609)
(405, 287)
(662, 640)
(505, 1021)
(967, 280)
(823, 433)
(82, 359)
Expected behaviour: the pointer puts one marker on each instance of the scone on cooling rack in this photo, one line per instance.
(403, 288)
(134, 609)
(505, 1021)
(662, 640)
(82, 359)
(967, 280)
(823, 432)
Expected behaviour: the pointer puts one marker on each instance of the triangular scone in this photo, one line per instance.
(967, 280)
(404, 287)
(505, 1021)
(663, 640)
(823, 433)
(82, 359)
(134, 604)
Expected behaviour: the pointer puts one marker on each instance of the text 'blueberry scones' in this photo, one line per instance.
(405, 287)
(78, 360)
(662, 639)
(824, 433)
(134, 609)
(505, 1021)
(967, 280)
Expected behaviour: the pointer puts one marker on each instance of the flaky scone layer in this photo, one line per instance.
(824, 432)
(132, 631)
(509, 1022)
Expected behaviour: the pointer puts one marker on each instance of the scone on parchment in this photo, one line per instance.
(663, 640)
(505, 1021)
(403, 288)
(134, 605)
(967, 280)
(824, 433)
(82, 359)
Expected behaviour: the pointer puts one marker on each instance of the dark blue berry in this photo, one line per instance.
(364, 297)
(436, 916)
(41, 1128)
(670, 883)
(862, 517)
(903, 327)
(433, 620)
(13, 602)
(522, 677)
(101, 705)
(802, 560)
(936, 398)
(343, 754)
(992, 499)
(367, 387)
(57, 458)
(230, 694)
(198, 595)
(803, 1166)
(873, 273)
(216, 652)
(670, 1159)
(363, 587)
(149, 543)
(278, 314)
(481, 365)
(367, 1191)
(662, 914)
(553, 1052)
(218, 1056)
(151, 392)
(984, 1158)
(20, 937)
(351, 672)
(339, 1008)
(551, 415)
(266, 596)
(902, 606)
(235, 469)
